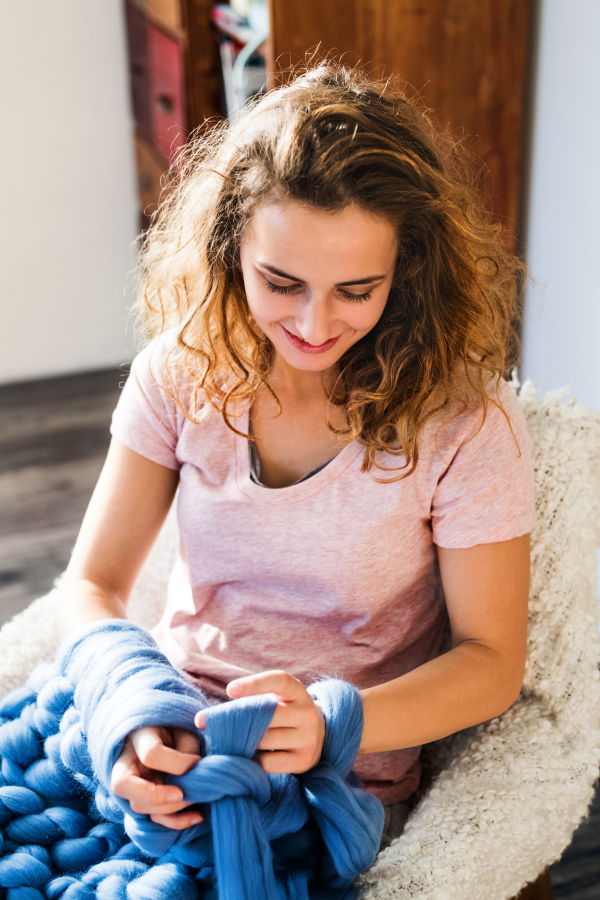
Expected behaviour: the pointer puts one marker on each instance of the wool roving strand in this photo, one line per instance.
(278, 837)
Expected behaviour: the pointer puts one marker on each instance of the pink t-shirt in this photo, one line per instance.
(336, 575)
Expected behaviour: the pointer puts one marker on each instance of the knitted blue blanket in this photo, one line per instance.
(64, 834)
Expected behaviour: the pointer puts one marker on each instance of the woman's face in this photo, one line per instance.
(316, 281)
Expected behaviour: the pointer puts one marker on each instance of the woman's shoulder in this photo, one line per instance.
(169, 376)
(160, 401)
(494, 420)
(157, 361)
(466, 433)
(160, 385)
(482, 472)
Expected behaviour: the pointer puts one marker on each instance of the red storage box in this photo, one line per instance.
(137, 41)
(167, 92)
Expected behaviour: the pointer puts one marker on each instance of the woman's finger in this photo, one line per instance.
(185, 742)
(147, 809)
(179, 821)
(139, 790)
(127, 763)
(282, 685)
(280, 739)
(285, 716)
(276, 681)
(130, 780)
(279, 762)
(294, 714)
(153, 753)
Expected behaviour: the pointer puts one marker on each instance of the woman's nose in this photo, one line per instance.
(313, 320)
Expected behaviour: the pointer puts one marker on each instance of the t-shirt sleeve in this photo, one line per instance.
(486, 493)
(147, 418)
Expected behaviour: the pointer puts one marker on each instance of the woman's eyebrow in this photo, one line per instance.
(281, 274)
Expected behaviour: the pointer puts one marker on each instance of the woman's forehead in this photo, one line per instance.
(347, 241)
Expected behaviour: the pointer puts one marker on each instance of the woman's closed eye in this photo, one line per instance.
(292, 288)
(359, 298)
(280, 288)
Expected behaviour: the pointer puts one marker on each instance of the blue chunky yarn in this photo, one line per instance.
(64, 834)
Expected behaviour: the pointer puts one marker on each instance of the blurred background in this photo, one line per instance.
(98, 100)
(521, 77)
(99, 97)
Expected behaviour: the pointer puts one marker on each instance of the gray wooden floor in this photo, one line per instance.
(577, 875)
(53, 438)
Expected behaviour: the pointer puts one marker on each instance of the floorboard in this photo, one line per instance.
(53, 438)
(577, 875)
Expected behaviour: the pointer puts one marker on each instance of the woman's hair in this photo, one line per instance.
(331, 138)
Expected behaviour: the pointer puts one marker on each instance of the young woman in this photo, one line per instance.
(332, 310)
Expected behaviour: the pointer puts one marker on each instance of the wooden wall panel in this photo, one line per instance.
(299, 27)
(203, 63)
(467, 60)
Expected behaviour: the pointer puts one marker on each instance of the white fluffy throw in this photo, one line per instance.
(508, 794)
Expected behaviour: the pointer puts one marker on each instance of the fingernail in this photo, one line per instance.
(195, 820)
(174, 796)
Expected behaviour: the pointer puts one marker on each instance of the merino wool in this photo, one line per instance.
(66, 835)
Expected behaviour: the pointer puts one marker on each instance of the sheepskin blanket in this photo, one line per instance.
(507, 795)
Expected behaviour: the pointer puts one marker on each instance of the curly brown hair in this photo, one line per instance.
(330, 138)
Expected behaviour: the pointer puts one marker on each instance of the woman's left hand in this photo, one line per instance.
(294, 740)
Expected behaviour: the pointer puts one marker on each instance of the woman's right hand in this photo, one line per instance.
(148, 755)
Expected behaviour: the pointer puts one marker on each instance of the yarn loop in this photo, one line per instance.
(66, 836)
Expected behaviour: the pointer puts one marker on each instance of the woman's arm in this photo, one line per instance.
(486, 589)
(128, 507)
(125, 514)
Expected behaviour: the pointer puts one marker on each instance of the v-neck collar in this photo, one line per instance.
(304, 487)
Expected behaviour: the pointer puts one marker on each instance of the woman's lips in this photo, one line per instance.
(308, 348)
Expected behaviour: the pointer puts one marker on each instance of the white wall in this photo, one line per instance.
(562, 323)
(68, 209)
(68, 212)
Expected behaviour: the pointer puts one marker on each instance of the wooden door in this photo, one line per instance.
(467, 60)
(203, 64)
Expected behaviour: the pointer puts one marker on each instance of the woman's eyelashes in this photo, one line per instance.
(292, 288)
(281, 289)
(358, 297)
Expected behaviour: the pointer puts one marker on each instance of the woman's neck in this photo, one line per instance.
(298, 384)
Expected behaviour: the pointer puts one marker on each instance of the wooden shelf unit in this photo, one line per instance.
(175, 81)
